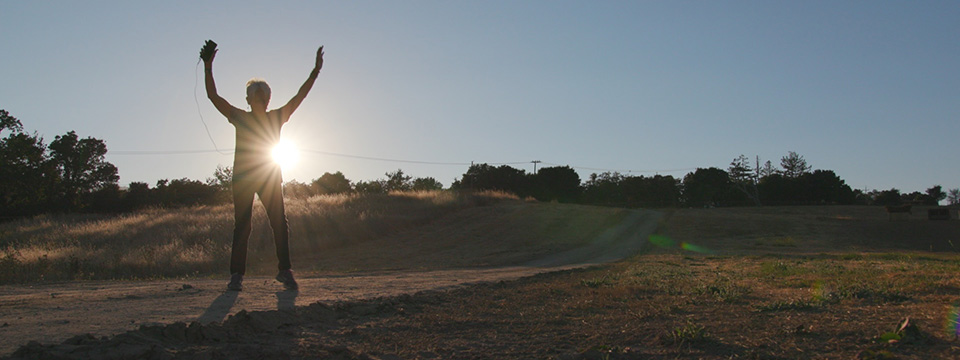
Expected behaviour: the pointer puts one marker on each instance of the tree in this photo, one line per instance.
(657, 191)
(26, 175)
(823, 187)
(81, 166)
(138, 196)
(794, 165)
(767, 170)
(297, 190)
(222, 178)
(426, 184)
(708, 187)
(24, 178)
(397, 181)
(560, 183)
(953, 197)
(107, 199)
(7, 121)
(370, 187)
(744, 178)
(487, 177)
(185, 192)
(935, 195)
(604, 189)
(888, 198)
(329, 183)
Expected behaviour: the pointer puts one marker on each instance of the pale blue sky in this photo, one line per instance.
(870, 90)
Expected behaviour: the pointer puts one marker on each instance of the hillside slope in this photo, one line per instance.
(751, 283)
(458, 245)
(328, 233)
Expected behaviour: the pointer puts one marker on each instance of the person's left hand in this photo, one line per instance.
(319, 59)
(208, 52)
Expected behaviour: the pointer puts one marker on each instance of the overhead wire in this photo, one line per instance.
(395, 160)
(217, 149)
(196, 81)
(619, 170)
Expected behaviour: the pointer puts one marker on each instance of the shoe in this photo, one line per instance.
(286, 277)
(236, 282)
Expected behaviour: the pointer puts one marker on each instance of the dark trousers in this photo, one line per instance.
(270, 190)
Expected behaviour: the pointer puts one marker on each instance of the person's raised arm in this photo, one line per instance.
(220, 103)
(292, 105)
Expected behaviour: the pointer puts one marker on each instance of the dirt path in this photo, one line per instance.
(51, 313)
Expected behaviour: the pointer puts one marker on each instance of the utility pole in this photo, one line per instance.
(535, 162)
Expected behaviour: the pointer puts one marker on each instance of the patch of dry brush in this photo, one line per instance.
(194, 241)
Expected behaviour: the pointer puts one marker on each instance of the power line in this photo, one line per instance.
(167, 152)
(374, 158)
(620, 170)
(395, 160)
(320, 152)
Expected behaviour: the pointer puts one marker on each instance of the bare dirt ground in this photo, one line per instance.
(86, 311)
(827, 282)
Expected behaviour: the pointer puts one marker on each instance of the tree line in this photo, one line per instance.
(743, 183)
(64, 175)
(70, 174)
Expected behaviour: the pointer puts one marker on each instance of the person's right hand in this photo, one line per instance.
(319, 59)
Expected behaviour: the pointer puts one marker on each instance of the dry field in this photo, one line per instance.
(396, 231)
(746, 283)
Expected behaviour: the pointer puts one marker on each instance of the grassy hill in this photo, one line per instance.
(811, 230)
(337, 233)
(751, 283)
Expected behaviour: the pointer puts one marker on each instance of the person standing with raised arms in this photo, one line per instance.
(254, 172)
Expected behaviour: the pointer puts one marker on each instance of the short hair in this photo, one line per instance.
(257, 84)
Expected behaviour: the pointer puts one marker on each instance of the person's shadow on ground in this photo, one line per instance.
(219, 308)
(287, 299)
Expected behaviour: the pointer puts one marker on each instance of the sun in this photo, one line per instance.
(285, 154)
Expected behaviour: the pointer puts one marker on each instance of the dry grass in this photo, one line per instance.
(677, 306)
(751, 283)
(813, 229)
(196, 240)
(778, 283)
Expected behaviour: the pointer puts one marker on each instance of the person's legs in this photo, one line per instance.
(243, 192)
(272, 197)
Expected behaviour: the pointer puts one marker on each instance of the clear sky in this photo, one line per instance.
(869, 89)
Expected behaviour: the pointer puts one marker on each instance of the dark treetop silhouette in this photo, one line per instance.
(258, 131)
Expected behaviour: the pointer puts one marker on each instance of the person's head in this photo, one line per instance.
(258, 93)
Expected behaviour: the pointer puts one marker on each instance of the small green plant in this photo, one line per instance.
(689, 333)
(906, 332)
(725, 290)
(851, 257)
(596, 282)
(779, 269)
(871, 292)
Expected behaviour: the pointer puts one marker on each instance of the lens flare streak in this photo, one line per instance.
(665, 242)
(952, 323)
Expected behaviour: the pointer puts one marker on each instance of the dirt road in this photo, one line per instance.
(51, 313)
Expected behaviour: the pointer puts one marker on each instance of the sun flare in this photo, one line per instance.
(285, 154)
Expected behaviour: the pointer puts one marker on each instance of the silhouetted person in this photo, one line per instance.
(254, 172)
